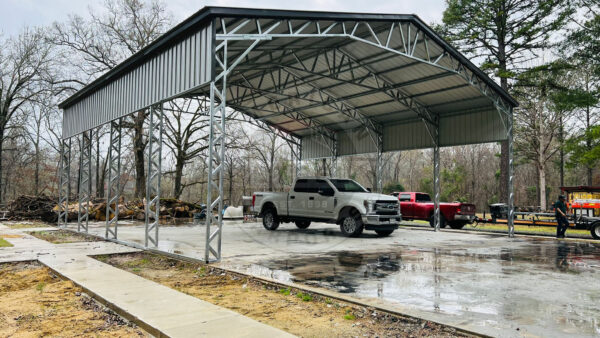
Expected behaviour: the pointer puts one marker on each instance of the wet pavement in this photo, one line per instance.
(524, 286)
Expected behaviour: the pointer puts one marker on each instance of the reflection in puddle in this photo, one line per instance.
(532, 286)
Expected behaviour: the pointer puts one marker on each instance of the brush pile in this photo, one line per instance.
(27, 207)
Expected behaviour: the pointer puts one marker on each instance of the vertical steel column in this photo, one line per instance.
(114, 177)
(379, 163)
(334, 159)
(436, 186)
(216, 153)
(155, 129)
(299, 159)
(510, 190)
(85, 180)
(65, 183)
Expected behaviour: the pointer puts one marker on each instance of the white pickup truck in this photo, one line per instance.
(330, 200)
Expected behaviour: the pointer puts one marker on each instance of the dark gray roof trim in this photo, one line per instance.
(200, 18)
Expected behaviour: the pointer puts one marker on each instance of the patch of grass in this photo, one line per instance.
(285, 292)
(201, 272)
(4, 243)
(349, 315)
(136, 269)
(328, 301)
(40, 286)
(304, 296)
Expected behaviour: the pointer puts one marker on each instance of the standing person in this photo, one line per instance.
(560, 209)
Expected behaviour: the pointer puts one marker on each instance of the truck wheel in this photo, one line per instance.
(442, 221)
(351, 225)
(302, 224)
(270, 219)
(457, 225)
(384, 233)
(595, 230)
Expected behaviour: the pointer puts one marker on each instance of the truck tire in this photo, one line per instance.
(442, 221)
(457, 224)
(302, 224)
(384, 233)
(352, 225)
(270, 220)
(595, 230)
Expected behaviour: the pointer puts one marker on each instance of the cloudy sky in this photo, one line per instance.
(16, 14)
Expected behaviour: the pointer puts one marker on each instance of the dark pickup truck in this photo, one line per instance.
(418, 206)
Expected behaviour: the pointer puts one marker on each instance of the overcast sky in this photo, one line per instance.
(16, 14)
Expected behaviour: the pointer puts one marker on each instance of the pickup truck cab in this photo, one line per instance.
(419, 206)
(330, 200)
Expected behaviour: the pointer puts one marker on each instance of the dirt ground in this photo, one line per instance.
(63, 236)
(305, 315)
(35, 303)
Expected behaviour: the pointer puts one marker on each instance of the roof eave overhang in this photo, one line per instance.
(208, 13)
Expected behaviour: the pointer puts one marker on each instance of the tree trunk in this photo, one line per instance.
(36, 179)
(542, 185)
(177, 188)
(138, 149)
(588, 141)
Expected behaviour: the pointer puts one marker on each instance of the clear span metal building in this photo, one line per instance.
(330, 84)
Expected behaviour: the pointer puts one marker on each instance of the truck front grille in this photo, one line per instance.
(386, 207)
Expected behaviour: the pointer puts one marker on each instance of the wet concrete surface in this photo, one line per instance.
(504, 287)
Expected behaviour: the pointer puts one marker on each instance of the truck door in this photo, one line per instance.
(323, 202)
(406, 206)
(296, 201)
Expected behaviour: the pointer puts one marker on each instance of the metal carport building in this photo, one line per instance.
(330, 84)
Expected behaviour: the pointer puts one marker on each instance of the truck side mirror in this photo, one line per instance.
(369, 190)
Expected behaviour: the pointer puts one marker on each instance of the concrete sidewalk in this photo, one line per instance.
(160, 310)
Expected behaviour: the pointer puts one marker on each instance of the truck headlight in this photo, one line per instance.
(369, 205)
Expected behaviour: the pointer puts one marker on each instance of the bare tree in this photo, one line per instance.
(25, 62)
(102, 42)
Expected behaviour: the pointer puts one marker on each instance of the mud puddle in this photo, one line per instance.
(63, 236)
(542, 287)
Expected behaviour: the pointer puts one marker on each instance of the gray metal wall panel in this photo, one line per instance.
(315, 146)
(479, 127)
(411, 135)
(183, 66)
(355, 142)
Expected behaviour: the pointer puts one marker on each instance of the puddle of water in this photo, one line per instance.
(544, 286)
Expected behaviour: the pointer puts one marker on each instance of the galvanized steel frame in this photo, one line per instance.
(65, 183)
(153, 175)
(113, 187)
(85, 180)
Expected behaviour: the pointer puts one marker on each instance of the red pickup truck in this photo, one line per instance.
(418, 205)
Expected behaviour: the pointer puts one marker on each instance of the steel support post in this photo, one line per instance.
(298, 160)
(114, 176)
(85, 180)
(379, 163)
(65, 183)
(216, 154)
(436, 186)
(510, 190)
(334, 159)
(155, 130)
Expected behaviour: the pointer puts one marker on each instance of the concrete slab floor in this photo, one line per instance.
(524, 286)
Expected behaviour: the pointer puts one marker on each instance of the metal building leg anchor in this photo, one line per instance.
(216, 153)
(155, 129)
(65, 183)
(114, 176)
(85, 181)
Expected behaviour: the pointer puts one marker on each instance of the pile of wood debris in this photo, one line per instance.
(46, 209)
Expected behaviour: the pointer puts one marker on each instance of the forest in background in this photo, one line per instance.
(545, 53)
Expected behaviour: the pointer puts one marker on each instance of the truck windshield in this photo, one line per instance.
(348, 186)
